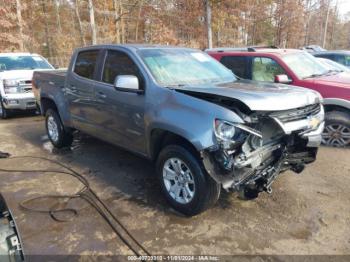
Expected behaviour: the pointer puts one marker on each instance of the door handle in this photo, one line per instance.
(101, 95)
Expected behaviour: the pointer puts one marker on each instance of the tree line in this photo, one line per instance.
(54, 28)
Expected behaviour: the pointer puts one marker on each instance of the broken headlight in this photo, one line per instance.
(224, 130)
(231, 134)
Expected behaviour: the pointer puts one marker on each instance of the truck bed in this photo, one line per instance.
(53, 76)
(48, 81)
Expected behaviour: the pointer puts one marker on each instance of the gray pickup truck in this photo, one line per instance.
(204, 128)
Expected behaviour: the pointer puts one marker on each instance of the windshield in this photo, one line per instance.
(305, 65)
(23, 63)
(333, 65)
(176, 67)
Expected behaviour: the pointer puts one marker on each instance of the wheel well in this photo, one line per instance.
(161, 138)
(329, 108)
(46, 104)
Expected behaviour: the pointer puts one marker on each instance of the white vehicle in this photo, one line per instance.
(16, 72)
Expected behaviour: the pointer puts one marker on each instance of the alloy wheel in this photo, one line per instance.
(336, 135)
(178, 180)
(52, 128)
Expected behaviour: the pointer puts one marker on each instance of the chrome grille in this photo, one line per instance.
(297, 114)
(25, 86)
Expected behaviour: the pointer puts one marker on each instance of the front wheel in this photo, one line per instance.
(4, 113)
(337, 129)
(58, 136)
(184, 182)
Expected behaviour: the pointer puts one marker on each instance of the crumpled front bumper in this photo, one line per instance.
(25, 101)
(293, 150)
(312, 127)
(314, 137)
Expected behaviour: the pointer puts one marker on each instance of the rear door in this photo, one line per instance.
(80, 90)
(120, 113)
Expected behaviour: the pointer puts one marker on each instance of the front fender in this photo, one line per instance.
(189, 117)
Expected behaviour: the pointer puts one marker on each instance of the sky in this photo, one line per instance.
(343, 7)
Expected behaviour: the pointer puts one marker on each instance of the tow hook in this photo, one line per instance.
(268, 190)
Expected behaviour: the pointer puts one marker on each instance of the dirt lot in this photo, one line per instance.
(306, 214)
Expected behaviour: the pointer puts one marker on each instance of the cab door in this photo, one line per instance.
(80, 90)
(121, 113)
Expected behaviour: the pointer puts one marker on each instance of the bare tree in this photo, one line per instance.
(138, 21)
(326, 25)
(76, 9)
(47, 34)
(116, 4)
(20, 23)
(58, 19)
(209, 31)
(92, 22)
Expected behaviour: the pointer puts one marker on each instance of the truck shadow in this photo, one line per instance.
(116, 172)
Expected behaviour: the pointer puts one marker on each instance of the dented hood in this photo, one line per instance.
(260, 96)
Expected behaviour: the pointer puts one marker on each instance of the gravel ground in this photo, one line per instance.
(306, 214)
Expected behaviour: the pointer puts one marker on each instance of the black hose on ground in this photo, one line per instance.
(86, 193)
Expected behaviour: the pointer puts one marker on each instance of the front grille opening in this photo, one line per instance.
(297, 114)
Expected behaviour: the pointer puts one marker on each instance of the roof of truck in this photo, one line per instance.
(252, 50)
(329, 52)
(133, 46)
(17, 54)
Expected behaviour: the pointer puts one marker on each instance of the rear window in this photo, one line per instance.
(237, 64)
(86, 63)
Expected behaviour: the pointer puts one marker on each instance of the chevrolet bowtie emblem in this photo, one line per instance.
(314, 122)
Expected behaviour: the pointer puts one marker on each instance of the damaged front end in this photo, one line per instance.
(248, 158)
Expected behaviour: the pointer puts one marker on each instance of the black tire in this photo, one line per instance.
(337, 129)
(64, 138)
(37, 111)
(206, 192)
(4, 113)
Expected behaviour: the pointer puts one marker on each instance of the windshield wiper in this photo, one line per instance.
(313, 75)
(335, 71)
(175, 86)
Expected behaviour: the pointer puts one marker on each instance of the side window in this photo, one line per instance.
(327, 56)
(119, 63)
(265, 69)
(237, 64)
(86, 63)
(340, 59)
(347, 60)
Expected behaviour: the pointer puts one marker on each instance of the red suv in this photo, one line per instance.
(296, 67)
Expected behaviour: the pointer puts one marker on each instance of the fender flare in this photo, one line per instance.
(337, 102)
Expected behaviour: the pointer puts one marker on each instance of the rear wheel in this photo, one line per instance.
(337, 129)
(58, 136)
(4, 113)
(184, 182)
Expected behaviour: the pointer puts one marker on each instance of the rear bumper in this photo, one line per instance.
(19, 101)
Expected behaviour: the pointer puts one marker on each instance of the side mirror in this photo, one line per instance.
(127, 83)
(282, 79)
